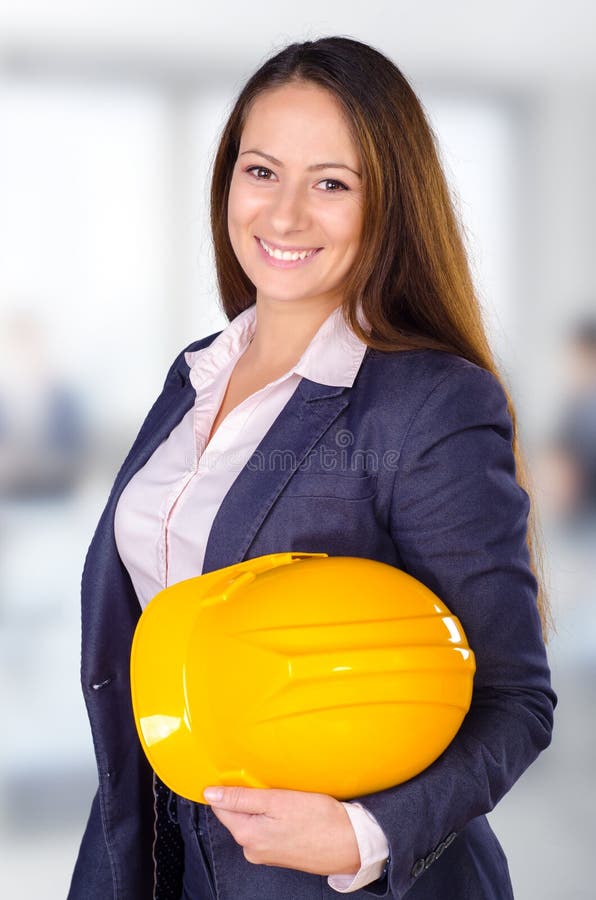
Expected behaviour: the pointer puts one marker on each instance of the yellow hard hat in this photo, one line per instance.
(300, 671)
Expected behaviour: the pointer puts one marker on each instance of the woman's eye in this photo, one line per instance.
(335, 185)
(258, 172)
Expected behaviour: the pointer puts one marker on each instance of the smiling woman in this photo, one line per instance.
(351, 407)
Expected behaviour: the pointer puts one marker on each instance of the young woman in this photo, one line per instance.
(352, 406)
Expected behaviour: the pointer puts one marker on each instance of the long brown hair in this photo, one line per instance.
(412, 279)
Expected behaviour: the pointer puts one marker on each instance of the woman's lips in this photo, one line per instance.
(285, 263)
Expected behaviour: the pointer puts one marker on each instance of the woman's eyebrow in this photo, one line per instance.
(315, 168)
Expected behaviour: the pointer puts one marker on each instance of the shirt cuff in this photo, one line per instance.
(373, 847)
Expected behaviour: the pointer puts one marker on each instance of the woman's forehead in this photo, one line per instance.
(299, 120)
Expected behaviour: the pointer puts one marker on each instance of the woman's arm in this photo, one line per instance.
(459, 519)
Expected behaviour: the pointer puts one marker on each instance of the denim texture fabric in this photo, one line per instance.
(199, 881)
(411, 466)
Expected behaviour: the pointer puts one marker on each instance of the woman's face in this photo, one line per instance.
(296, 188)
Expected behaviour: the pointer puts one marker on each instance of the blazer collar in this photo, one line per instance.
(308, 414)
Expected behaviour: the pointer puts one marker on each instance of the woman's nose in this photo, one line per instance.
(289, 211)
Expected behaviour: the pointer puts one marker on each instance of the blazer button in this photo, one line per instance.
(418, 868)
(422, 864)
(430, 859)
(440, 848)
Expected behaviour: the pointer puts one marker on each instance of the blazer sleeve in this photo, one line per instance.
(458, 518)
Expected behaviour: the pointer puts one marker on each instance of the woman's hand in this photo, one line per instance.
(292, 829)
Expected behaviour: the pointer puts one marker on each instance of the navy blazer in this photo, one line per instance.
(411, 466)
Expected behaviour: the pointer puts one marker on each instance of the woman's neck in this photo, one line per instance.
(282, 333)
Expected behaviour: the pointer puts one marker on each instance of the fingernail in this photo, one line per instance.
(213, 794)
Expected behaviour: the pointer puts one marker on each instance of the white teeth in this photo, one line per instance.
(286, 254)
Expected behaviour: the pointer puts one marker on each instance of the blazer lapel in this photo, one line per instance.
(169, 410)
(104, 583)
(156, 434)
(306, 417)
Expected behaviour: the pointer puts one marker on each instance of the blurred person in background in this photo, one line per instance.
(567, 468)
(344, 278)
(565, 475)
(42, 428)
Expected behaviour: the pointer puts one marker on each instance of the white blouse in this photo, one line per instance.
(165, 512)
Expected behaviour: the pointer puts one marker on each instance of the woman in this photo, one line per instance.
(351, 406)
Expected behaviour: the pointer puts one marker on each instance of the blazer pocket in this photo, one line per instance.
(331, 486)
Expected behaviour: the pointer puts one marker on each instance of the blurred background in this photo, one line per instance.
(109, 116)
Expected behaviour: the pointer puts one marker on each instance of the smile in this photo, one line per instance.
(285, 258)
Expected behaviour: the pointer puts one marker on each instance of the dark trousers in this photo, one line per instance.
(198, 878)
